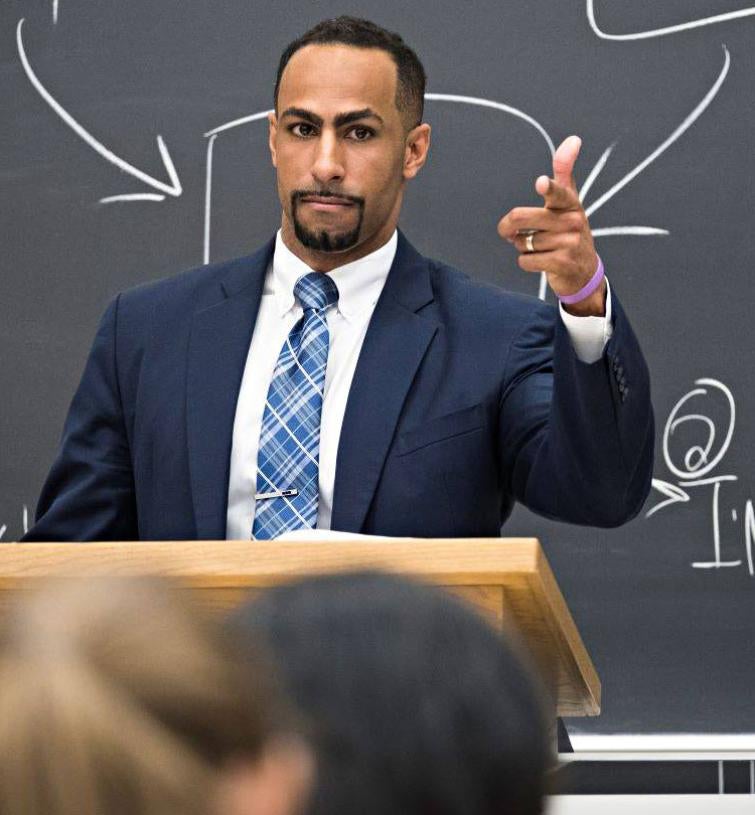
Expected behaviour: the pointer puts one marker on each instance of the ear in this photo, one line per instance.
(278, 783)
(417, 147)
(272, 134)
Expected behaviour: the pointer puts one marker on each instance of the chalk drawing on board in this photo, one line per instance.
(173, 189)
(211, 135)
(662, 32)
(208, 197)
(695, 467)
(489, 103)
(24, 525)
(133, 196)
(689, 120)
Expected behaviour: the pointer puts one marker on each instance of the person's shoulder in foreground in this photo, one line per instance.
(415, 703)
(118, 695)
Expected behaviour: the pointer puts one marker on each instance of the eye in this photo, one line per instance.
(299, 124)
(367, 132)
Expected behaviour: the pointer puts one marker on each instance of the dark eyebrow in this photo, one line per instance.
(355, 115)
(340, 120)
(301, 113)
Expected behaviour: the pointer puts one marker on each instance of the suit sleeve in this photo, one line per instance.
(576, 439)
(89, 492)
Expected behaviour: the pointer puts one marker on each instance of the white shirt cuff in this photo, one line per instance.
(589, 335)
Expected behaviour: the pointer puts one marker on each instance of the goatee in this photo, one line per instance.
(323, 240)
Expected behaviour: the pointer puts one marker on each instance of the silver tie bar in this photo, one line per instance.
(276, 494)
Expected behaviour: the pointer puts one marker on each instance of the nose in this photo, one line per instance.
(328, 163)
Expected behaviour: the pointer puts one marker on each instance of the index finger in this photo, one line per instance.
(523, 219)
(557, 196)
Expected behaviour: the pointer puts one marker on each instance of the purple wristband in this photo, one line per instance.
(586, 290)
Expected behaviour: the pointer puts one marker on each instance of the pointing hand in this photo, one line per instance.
(560, 234)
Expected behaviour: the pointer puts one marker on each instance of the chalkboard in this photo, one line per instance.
(133, 145)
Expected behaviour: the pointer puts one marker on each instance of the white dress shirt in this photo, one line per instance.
(359, 286)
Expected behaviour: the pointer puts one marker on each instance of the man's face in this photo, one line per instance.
(338, 137)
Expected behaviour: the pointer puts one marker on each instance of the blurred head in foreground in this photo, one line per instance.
(116, 696)
(416, 705)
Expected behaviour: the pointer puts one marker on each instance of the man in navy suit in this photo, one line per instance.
(444, 400)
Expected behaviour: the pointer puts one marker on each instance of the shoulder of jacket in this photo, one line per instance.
(484, 298)
(176, 286)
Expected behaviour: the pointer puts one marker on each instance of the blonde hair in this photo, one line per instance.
(116, 696)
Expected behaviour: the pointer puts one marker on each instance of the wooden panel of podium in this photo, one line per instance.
(506, 579)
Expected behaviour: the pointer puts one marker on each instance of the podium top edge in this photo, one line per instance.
(459, 560)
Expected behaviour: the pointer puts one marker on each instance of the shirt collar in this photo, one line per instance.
(359, 282)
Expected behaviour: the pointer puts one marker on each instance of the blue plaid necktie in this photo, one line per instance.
(289, 449)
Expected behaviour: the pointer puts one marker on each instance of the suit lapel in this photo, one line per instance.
(396, 341)
(218, 347)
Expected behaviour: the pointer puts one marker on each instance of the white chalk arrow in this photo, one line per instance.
(671, 29)
(174, 188)
(674, 495)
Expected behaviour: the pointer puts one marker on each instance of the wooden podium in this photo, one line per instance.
(507, 579)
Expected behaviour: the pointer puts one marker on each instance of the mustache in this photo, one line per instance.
(297, 195)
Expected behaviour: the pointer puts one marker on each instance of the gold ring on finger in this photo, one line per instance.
(529, 242)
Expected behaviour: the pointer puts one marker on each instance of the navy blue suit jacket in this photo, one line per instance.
(465, 398)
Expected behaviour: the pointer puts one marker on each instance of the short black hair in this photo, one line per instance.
(415, 703)
(410, 86)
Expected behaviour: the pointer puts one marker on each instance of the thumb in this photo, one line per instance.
(564, 160)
